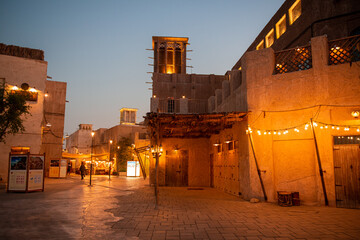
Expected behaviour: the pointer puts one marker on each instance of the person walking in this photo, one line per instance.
(82, 170)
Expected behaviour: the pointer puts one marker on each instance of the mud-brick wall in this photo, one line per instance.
(231, 166)
(198, 163)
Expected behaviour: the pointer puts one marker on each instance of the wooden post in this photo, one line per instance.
(319, 163)
(157, 165)
(257, 166)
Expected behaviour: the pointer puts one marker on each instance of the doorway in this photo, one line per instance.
(176, 173)
(347, 171)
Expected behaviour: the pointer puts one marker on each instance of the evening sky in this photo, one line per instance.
(99, 47)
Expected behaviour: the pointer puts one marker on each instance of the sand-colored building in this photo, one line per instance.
(99, 145)
(24, 69)
(295, 92)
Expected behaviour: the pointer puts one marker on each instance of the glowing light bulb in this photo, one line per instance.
(333, 127)
(315, 124)
(259, 133)
(326, 126)
(321, 127)
(337, 128)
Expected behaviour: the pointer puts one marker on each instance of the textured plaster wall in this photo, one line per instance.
(54, 113)
(289, 160)
(198, 164)
(192, 86)
(16, 71)
(231, 167)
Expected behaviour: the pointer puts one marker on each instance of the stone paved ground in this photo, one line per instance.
(123, 208)
(210, 214)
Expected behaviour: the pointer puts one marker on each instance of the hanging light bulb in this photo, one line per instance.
(259, 133)
(326, 126)
(315, 124)
(337, 128)
(333, 127)
(321, 127)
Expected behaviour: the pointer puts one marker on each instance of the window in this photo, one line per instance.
(281, 26)
(269, 38)
(260, 45)
(171, 105)
(295, 11)
(231, 145)
(219, 148)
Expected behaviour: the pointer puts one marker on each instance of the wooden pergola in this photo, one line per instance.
(170, 125)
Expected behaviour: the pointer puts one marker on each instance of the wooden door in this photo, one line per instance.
(347, 175)
(176, 173)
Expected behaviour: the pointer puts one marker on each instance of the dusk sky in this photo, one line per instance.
(99, 47)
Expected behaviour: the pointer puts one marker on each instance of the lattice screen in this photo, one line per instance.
(292, 60)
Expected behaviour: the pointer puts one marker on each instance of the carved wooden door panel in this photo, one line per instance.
(347, 175)
(176, 173)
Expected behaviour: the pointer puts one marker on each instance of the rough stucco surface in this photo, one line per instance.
(289, 160)
(15, 71)
(198, 164)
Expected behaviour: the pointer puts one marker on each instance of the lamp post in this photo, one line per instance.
(110, 142)
(91, 153)
(156, 152)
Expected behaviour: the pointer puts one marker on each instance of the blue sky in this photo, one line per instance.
(98, 47)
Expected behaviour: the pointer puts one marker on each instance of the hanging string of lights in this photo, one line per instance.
(303, 127)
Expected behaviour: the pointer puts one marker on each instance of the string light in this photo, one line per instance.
(321, 125)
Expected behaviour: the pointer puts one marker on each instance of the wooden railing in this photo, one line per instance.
(345, 50)
(292, 60)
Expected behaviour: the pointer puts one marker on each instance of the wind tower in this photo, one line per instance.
(169, 54)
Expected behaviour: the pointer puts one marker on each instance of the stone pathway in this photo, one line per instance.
(123, 208)
(210, 214)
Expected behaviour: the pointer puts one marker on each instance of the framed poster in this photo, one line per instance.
(18, 172)
(36, 173)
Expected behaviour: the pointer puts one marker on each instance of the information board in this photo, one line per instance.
(36, 173)
(18, 172)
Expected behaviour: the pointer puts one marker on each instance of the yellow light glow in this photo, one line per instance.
(183, 96)
(281, 26)
(46, 95)
(154, 96)
(32, 90)
(15, 88)
(294, 11)
(355, 114)
(92, 134)
(111, 141)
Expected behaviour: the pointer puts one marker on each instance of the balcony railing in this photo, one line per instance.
(292, 60)
(344, 50)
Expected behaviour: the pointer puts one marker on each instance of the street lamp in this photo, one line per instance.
(156, 152)
(91, 153)
(110, 142)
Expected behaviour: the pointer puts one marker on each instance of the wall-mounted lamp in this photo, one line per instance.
(355, 114)
(156, 150)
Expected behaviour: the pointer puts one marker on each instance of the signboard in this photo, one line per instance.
(133, 169)
(36, 172)
(18, 172)
(26, 173)
(54, 170)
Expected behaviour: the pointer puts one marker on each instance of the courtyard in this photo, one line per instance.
(123, 208)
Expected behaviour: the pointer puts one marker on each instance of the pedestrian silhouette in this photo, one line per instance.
(82, 170)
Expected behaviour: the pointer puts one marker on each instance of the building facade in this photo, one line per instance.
(24, 69)
(299, 89)
(100, 145)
